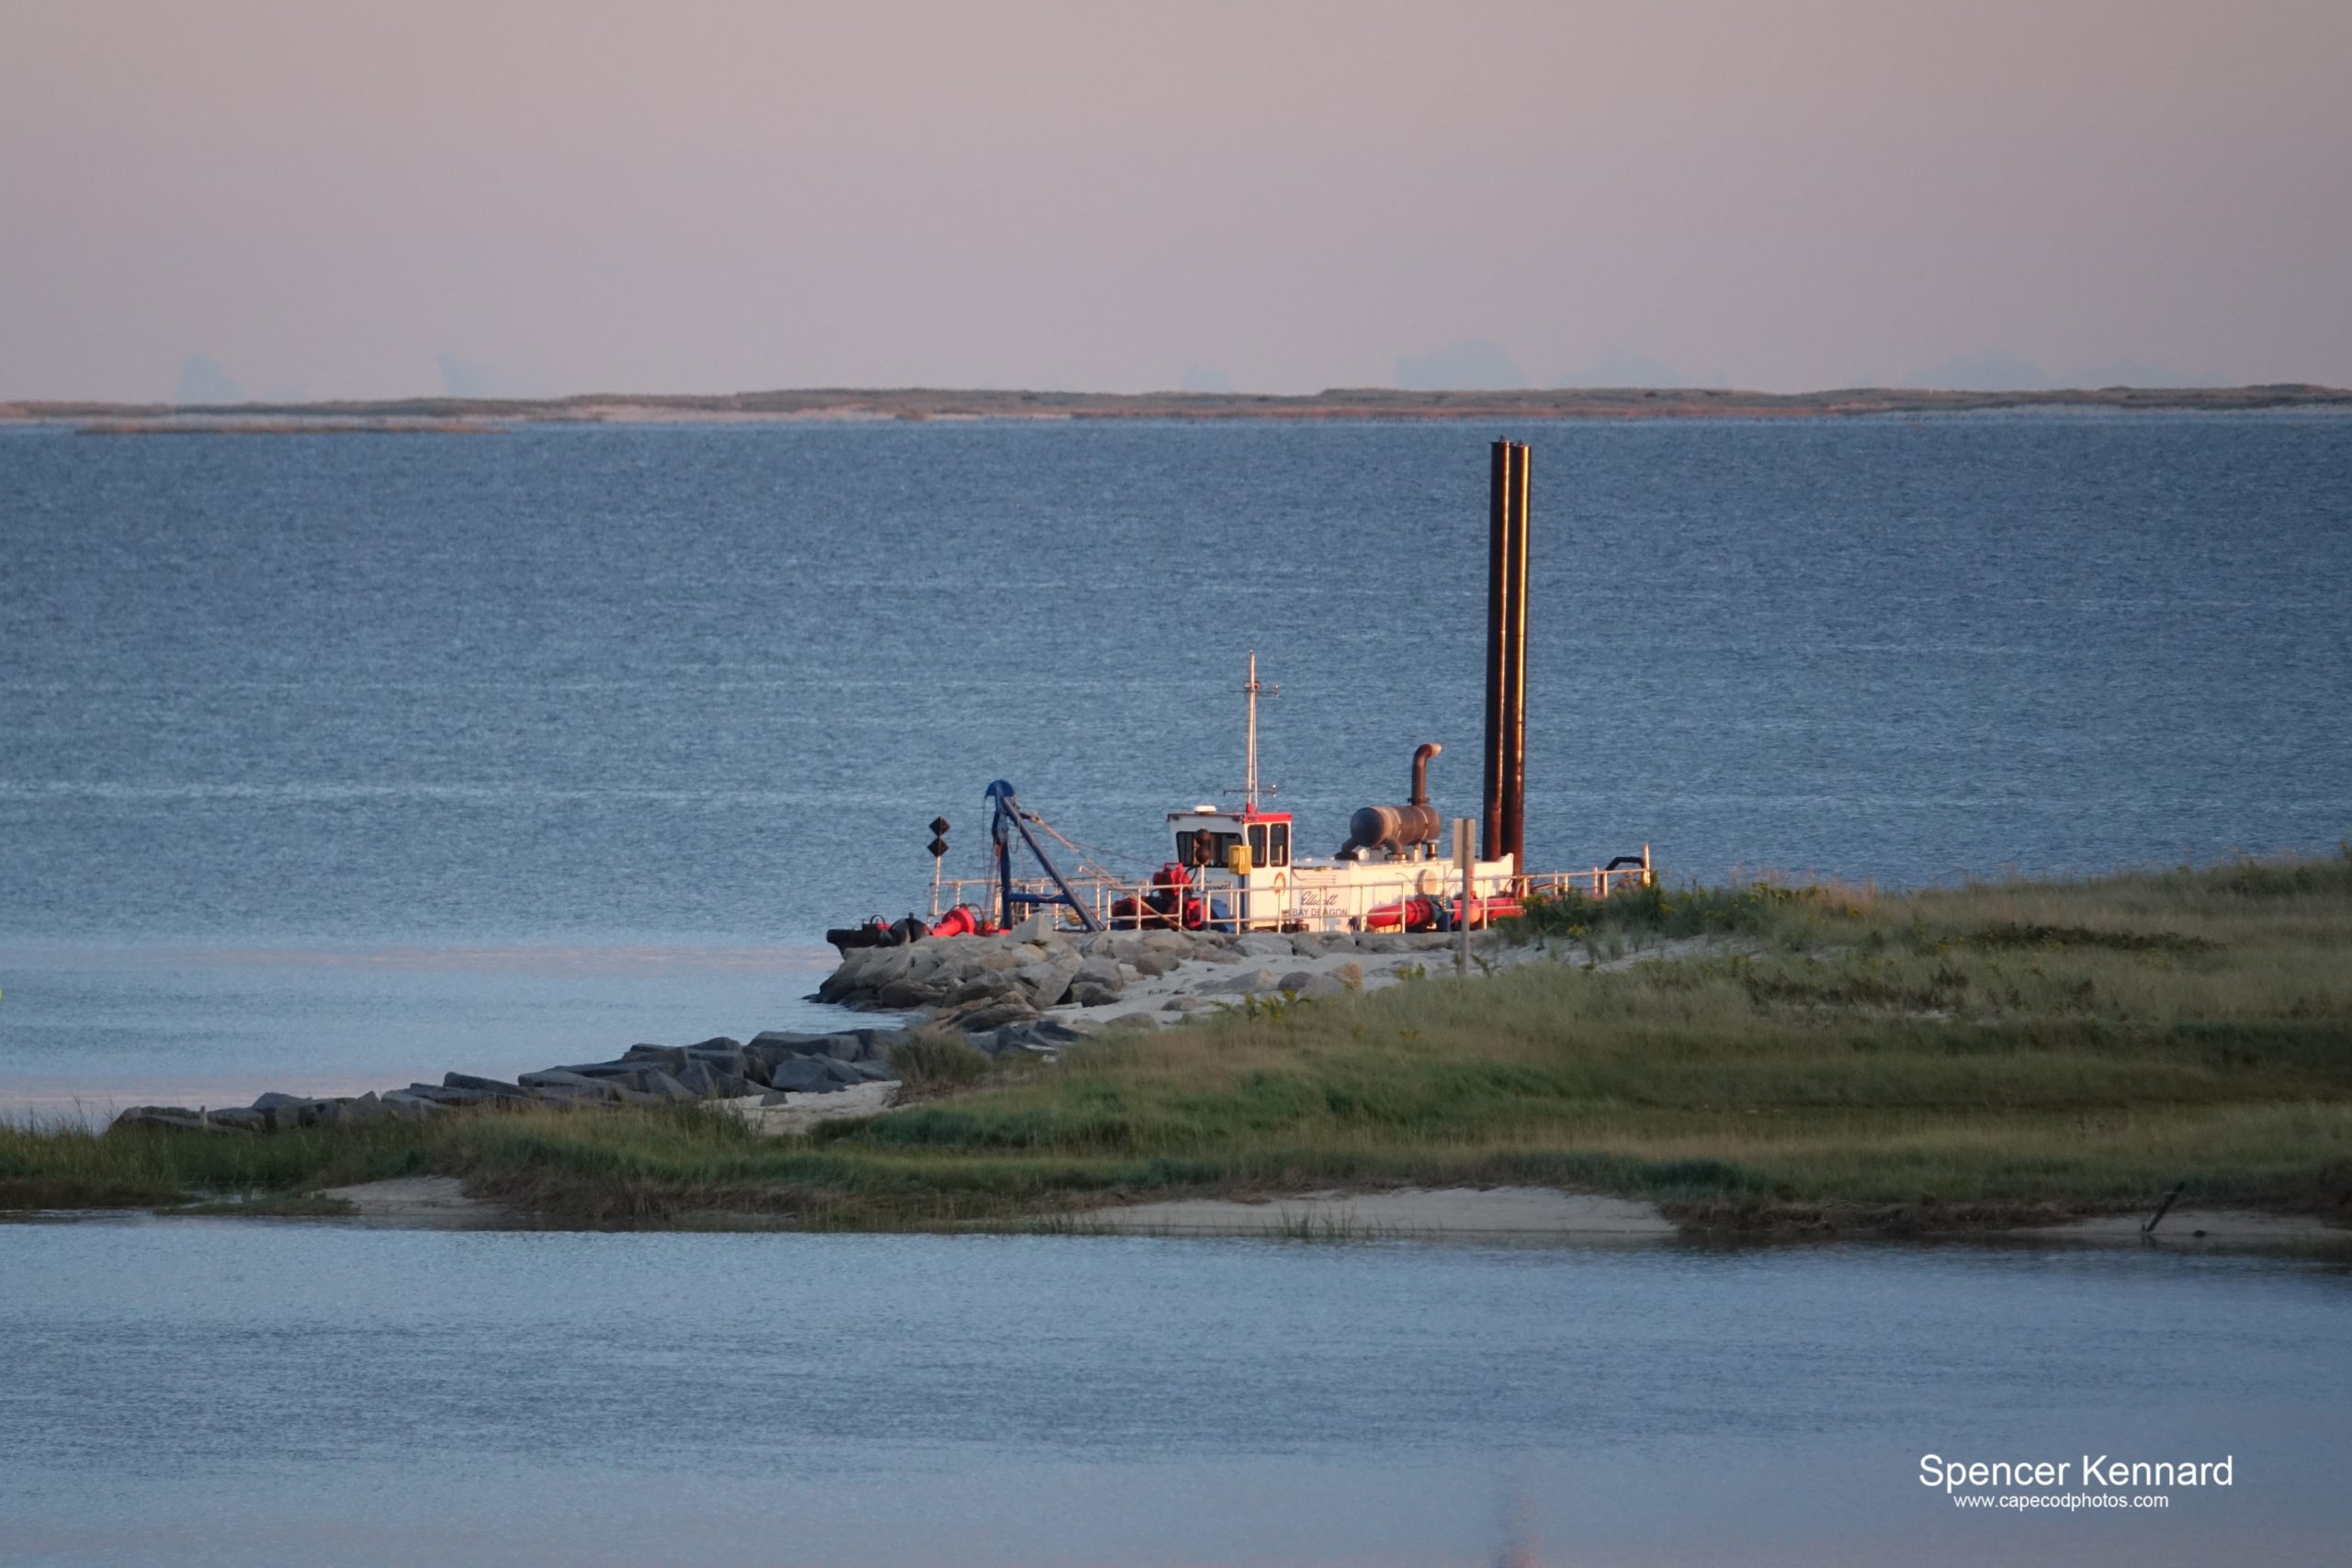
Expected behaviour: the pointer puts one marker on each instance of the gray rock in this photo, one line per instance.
(773, 1046)
(1263, 944)
(482, 1086)
(364, 1108)
(861, 970)
(873, 1044)
(174, 1119)
(243, 1121)
(873, 1072)
(733, 1063)
(131, 1115)
(565, 1078)
(985, 985)
(912, 992)
(659, 1086)
(668, 1059)
(1247, 981)
(1045, 982)
(804, 1075)
(993, 1015)
(1087, 994)
(698, 1080)
(1349, 975)
(282, 1112)
(1153, 964)
(1318, 986)
(401, 1102)
(440, 1094)
(1011, 1039)
(572, 1082)
(843, 1072)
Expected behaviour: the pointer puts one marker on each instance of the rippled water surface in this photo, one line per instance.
(331, 759)
(309, 1394)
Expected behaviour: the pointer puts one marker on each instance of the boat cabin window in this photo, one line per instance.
(1270, 844)
(1204, 846)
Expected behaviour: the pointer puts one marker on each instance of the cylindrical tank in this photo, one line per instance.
(1397, 827)
(1390, 828)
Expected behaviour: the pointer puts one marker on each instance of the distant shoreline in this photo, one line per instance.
(847, 405)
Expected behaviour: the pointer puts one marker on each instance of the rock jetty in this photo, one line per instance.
(777, 1068)
(1037, 989)
(1033, 990)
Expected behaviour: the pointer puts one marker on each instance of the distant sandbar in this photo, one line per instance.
(854, 405)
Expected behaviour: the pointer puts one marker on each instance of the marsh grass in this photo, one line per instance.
(1995, 1051)
(925, 1059)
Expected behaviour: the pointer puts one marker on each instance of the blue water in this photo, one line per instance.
(237, 1392)
(326, 760)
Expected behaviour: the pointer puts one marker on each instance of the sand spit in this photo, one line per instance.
(852, 404)
(1535, 1213)
(432, 1203)
(1459, 1214)
(2234, 1228)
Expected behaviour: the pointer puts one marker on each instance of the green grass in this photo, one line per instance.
(1827, 1056)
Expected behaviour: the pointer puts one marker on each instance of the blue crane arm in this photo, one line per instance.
(1007, 811)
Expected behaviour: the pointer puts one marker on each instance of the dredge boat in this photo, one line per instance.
(1243, 870)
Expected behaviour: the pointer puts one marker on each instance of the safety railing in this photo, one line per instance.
(1264, 909)
(1597, 883)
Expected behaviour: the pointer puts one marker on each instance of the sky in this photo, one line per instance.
(208, 201)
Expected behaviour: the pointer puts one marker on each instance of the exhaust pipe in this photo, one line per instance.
(1502, 828)
(1421, 755)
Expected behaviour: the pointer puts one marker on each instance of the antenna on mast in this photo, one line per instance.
(1250, 688)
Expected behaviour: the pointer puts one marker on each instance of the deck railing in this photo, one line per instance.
(1418, 879)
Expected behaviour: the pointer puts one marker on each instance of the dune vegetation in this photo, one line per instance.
(1765, 1058)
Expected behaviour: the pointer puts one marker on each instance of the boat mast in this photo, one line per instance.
(1249, 749)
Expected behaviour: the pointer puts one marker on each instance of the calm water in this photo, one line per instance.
(327, 760)
(308, 1393)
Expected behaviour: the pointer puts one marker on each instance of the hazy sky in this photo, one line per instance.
(354, 200)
